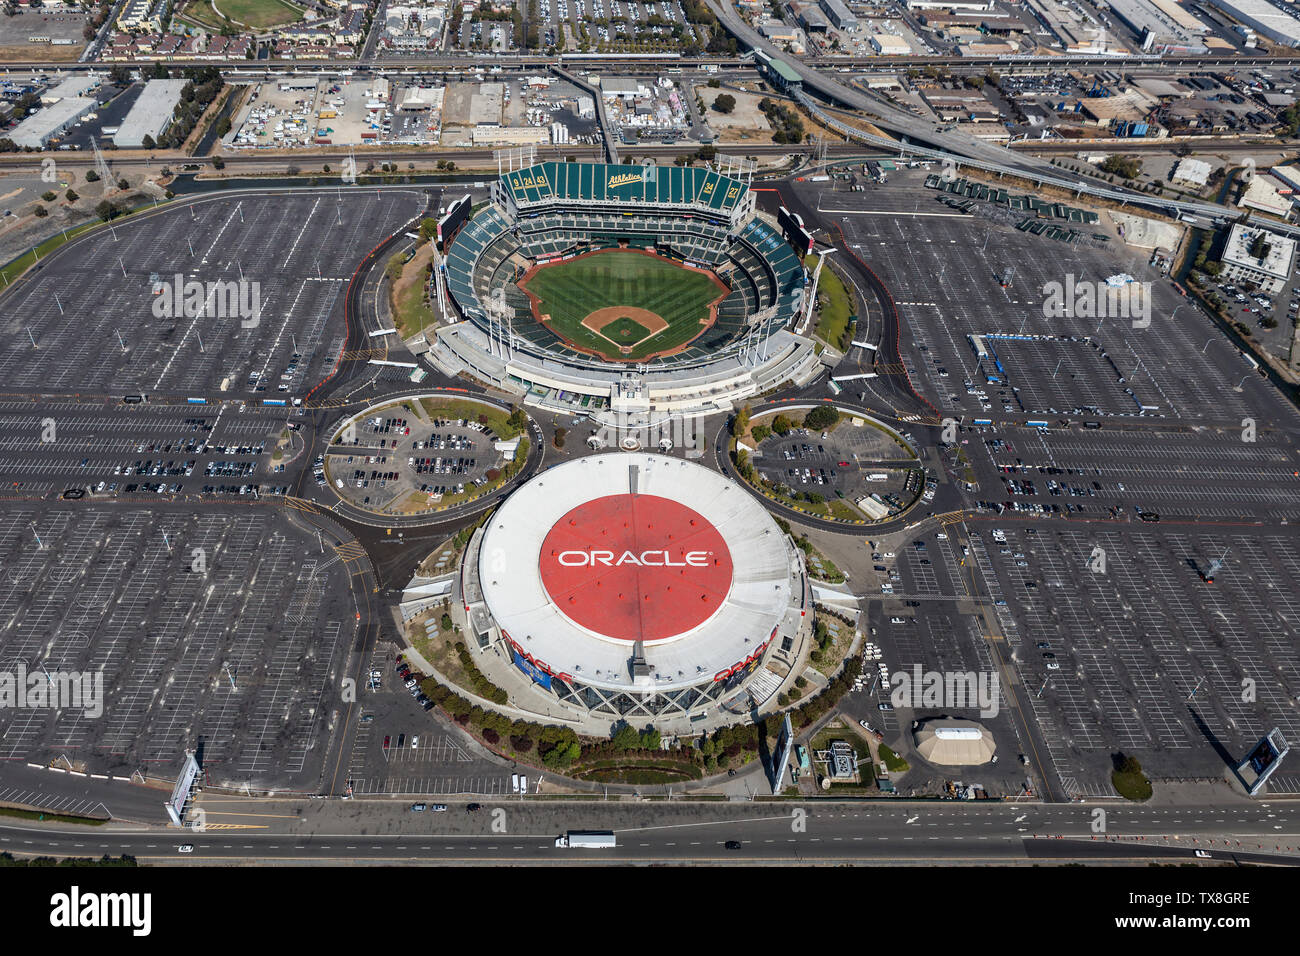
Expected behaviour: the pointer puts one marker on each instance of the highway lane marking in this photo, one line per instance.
(706, 823)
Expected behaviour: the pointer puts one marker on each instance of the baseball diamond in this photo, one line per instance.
(624, 305)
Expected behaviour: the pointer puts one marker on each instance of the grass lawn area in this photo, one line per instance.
(821, 510)
(822, 567)
(639, 770)
(258, 13)
(893, 762)
(833, 307)
(412, 312)
(438, 647)
(1131, 786)
(50, 817)
(494, 418)
(200, 13)
(840, 637)
(571, 291)
(845, 512)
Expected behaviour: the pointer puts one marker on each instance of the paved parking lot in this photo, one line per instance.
(1176, 473)
(1154, 660)
(946, 273)
(229, 632)
(113, 450)
(1150, 659)
(929, 621)
(424, 757)
(404, 459)
(88, 321)
(1164, 461)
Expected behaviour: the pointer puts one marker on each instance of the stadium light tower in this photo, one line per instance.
(498, 311)
(1214, 567)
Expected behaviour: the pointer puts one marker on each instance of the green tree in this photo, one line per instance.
(626, 738)
(1126, 166)
(821, 417)
(740, 424)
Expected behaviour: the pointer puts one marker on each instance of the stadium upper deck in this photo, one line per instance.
(680, 188)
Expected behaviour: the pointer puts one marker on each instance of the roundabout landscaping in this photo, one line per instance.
(835, 464)
(423, 455)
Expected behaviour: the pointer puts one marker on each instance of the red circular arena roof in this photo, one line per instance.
(635, 567)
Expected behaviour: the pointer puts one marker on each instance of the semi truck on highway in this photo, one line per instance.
(587, 839)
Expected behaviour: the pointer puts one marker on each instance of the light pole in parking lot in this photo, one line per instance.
(1207, 344)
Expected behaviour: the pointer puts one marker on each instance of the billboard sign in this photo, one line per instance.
(1262, 760)
(538, 676)
(455, 217)
(783, 754)
(182, 791)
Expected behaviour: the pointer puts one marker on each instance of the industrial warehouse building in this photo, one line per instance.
(151, 115)
(1264, 18)
(840, 16)
(1270, 270)
(35, 132)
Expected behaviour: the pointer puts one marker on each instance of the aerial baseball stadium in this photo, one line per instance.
(646, 289)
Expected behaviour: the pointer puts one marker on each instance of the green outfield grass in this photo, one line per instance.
(258, 13)
(571, 291)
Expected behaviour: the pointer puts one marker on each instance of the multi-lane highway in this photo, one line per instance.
(513, 831)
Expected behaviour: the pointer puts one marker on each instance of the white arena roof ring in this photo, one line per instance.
(599, 554)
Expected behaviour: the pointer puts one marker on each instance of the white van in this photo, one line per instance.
(514, 783)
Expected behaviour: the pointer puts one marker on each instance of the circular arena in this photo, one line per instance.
(637, 586)
(627, 289)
